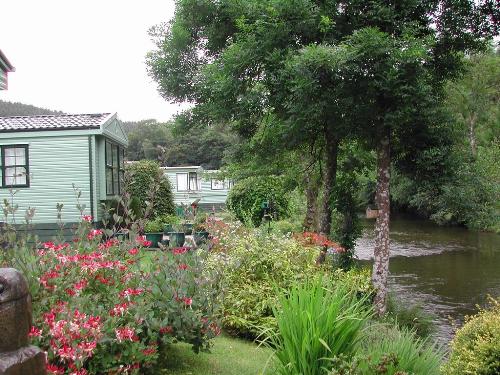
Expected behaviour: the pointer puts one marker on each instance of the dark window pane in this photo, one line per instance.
(109, 155)
(109, 181)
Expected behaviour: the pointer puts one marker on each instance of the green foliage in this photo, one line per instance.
(154, 226)
(394, 351)
(152, 140)
(20, 109)
(410, 317)
(246, 198)
(253, 265)
(148, 183)
(475, 349)
(315, 323)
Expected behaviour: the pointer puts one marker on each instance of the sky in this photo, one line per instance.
(84, 56)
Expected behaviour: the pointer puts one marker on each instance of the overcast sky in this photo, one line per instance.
(84, 56)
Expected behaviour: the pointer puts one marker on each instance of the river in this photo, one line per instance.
(448, 271)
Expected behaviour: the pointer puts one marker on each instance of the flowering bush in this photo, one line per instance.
(108, 307)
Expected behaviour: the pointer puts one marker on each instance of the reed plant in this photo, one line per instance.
(316, 321)
(396, 350)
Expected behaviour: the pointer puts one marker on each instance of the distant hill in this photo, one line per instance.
(20, 109)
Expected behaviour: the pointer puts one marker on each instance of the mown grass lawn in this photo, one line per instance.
(229, 356)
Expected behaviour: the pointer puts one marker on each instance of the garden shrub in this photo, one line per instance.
(393, 351)
(254, 265)
(475, 349)
(412, 317)
(246, 197)
(107, 307)
(316, 322)
(147, 182)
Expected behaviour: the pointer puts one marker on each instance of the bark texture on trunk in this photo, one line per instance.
(312, 188)
(472, 134)
(330, 174)
(381, 251)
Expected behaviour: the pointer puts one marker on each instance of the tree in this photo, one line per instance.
(371, 68)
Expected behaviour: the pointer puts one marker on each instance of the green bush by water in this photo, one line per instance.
(475, 349)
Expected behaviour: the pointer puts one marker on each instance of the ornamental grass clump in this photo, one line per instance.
(395, 351)
(316, 321)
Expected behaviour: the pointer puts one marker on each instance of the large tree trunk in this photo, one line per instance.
(472, 134)
(381, 251)
(312, 189)
(330, 174)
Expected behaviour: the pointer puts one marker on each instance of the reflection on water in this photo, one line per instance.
(448, 271)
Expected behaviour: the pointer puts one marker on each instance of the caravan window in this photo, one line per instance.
(187, 181)
(14, 166)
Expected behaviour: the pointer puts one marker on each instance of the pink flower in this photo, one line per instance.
(187, 301)
(149, 351)
(131, 292)
(166, 330)
(87, 218)
(180, 250)
(81, 284)
(67, 352)
(183, 266)
(126, 334)
(35, 332)
(54, 370)
(119, 309)
(133, 251)
(94, 233)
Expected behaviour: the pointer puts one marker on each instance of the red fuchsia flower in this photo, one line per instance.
(133, 251)
(108, 244)
(180, 250)
(131, 292)
(80, 284)
(34, 332)
(119, 309)
(67, 352)
(87, 347)
(87, 218)
(141, 240)
(126, 334)
(187, 301)
(183, 266)
(149, 351)
(94, 233)
(166, 330)
(54, 370)
(70, 292)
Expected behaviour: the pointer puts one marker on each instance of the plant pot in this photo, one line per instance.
(188, 229)
(155, 238)
(167, 229)
(200, 237)
(177, 239)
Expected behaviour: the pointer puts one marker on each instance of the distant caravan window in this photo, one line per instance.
(217, 184)
(182, 182)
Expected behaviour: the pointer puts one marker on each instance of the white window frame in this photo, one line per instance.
(216, 184)
(185, 176)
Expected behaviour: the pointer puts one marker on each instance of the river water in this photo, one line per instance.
(448, 271)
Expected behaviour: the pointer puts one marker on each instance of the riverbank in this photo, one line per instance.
(446, 270)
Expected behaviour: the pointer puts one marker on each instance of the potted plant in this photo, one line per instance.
(177, 237)
(188, 227)
(200, 229)
(153, 231)
(168, 223)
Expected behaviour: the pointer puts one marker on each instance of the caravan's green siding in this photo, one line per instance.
(55, 164)
(57, 160)
(205, 194)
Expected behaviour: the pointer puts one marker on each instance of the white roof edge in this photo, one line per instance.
(186, 167)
